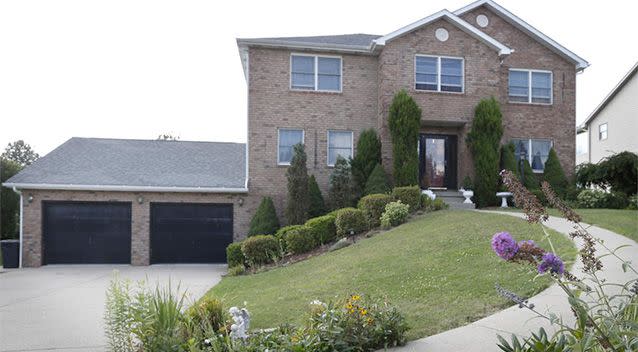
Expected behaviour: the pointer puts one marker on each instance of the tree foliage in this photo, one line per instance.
(298, 202)
(341, 185)
(618, 171)
(484, 139)
(9, 201)
(555, 175)
(367, 157)
(265, 220)
(377, 182)
(20, 152)
(317, 203)
(404, 123)
(167, 137)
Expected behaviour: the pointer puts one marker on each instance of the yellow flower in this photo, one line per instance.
(363, 311)
(370, 321)
(356, 297)
(349, 306)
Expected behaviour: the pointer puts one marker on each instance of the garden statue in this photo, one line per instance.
(241, 323)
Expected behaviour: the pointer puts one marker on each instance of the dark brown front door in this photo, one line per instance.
(437, 161)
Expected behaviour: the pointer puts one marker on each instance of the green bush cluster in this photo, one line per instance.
(265, 221)
(300, 240)
(234, 255)
(619, 171)
(395, 214)
(592, 198)
(409, 195)
(428, 204)
(350, 221)
(261, 249)
(377, 182)
(206, 315)
(373, 206)
(322, 229)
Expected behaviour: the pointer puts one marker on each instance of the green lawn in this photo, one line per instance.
(438, 269)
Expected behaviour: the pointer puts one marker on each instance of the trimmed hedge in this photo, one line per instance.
(281, 235)
(373, 206)
(300, 240)
(410, 195)
(322, 228)
(350, 220)
(260, 249)
(234, 255)
(395, 214)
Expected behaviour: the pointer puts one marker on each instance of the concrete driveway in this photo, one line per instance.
(60, 307)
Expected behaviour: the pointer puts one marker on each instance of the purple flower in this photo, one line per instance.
(504, 245)
(551, 262)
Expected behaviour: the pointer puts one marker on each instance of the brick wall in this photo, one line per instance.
(140, 214)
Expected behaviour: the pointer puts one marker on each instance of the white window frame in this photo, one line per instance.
(316, 69)
(438, 74)
(328, 145)
(600, 132)
(303, 141)
(529, 86)
(529, 151)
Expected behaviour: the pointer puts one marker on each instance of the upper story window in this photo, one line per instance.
(339, 144)
(602, 131)
(535, 151)
(287, 140)
(317, 73)
(438, 73)
(530, 86)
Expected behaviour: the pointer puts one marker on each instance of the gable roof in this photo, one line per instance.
(453, 19)
(517, 22)
(611, 95)
(138, 166)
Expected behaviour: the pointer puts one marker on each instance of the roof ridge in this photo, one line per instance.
(153, 140)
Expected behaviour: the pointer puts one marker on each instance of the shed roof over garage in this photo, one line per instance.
(138, 165)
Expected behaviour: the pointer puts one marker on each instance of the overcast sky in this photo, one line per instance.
(135, 69)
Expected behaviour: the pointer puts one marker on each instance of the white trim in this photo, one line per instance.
(21, 226)
(606, 131)
(114, 188)
(328, 145)
(247, 74)
(581, 63)
(303, 141)
(438, 68)
(530, 98)
(453, 19)
(316, 73)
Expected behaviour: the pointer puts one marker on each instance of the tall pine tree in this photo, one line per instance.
(298, 202)
(317, 204)
(555, 175)
(404, 123)
(367, 157)
(341, 185)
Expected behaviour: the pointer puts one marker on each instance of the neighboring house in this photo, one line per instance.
(321, 91)
(611, 128)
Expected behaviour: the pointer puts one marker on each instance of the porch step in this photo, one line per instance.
(454, 199)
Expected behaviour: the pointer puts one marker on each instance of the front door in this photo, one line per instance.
(437, 161)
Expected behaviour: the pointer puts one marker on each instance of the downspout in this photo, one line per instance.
(21, 221)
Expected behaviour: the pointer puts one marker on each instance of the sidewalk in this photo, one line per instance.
(481, 335)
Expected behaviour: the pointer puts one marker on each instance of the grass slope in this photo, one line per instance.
(438, 269)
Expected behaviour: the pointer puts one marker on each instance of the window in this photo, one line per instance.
(530, 86)
(535, 151)
(318, 73)
(602, 131)
(339, 143)
(438, 74)
(287, 139)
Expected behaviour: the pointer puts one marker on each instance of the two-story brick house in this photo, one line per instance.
(142, 202)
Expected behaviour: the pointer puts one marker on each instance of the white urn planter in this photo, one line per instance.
(468, 194)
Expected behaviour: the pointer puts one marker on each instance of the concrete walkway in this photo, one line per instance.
(481, 335)
(61, 307)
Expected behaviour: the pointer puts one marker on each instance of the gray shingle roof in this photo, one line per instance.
(358, 40)
(139, 163)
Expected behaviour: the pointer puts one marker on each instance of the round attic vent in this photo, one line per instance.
(441, 34)
(482, 21)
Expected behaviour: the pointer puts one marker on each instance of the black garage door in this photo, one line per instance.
(190, 233)
(86, 232)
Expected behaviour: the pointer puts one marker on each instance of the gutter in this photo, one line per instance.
(21, 221)
(114, 188)
(273, 43)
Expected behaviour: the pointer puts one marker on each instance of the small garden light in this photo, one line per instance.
(30, 198)
(140, 199)
(240, 202)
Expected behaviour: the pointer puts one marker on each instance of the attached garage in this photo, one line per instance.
(86, 232)
(190, 233)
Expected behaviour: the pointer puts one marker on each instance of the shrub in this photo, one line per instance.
(554, 174)
(322, 228)
(619, 171)
(260, 249)
(350, 221)
(373, 206)
(377, 182)
(281, 236)
(118, 316)
(300, 240)
(341, 185)
(508, 158)
(427, 203)
(439, 204)
(9, 201)
(540, 196)
(409, 195)
(590, 198)
(234, 255)
(395, 214)
(484, 138)
(206, 315)
(265, 221)
(298, 198)
(367, 157)
(236, 270)
(633, 202)
(317, 204)
(467, 183)
(404, 123)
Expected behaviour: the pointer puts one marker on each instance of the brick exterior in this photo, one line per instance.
(140, 214)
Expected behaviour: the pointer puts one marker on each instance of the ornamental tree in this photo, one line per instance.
(555, 175)
(404, 123)
(341, 185)
(265, 221)
(317, 204)
(367, 157)
(298, 202)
